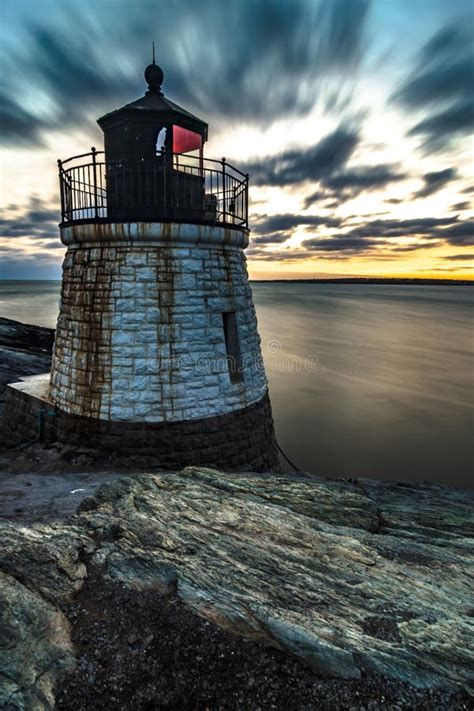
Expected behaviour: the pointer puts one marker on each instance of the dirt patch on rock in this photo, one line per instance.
(146, 650)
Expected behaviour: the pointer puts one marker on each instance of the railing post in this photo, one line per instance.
(61, 188)
(246, 200)
(165, 170)
(94, 167)
(223, 191)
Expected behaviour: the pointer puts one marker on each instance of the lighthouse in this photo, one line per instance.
(156, 349)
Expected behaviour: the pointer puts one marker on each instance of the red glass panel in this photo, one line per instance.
(184, 140)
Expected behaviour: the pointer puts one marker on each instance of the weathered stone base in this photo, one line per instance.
(243, 439)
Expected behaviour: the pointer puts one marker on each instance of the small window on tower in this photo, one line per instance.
(234, 360)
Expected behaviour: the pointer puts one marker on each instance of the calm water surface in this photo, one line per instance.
(365, 380)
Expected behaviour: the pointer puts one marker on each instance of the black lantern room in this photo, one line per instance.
(142, 129)
(143, 141)
(152, 169)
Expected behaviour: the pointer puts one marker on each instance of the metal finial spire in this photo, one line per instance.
(154, 76)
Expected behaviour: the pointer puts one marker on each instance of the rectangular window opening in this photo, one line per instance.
(234, 359)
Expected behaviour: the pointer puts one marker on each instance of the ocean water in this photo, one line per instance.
(365, 380)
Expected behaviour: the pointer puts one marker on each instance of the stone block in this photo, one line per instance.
(137, 258)
(123, 338)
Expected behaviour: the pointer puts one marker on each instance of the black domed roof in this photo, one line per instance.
(155, 105)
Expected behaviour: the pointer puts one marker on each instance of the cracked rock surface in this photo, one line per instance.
(371, 578)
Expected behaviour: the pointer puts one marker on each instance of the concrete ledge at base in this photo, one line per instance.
(35, 386)
(243, 439)
(28, 411)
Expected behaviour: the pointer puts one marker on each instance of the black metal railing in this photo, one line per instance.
(168, 187)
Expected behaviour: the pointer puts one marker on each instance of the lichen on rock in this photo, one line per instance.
(36, 649)
(351, 578)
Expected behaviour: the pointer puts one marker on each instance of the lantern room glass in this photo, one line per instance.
(185, 142)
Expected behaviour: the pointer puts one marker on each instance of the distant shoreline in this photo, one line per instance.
(369, 280)
(335, 280)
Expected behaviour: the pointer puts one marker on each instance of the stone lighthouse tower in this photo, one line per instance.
(156, 348)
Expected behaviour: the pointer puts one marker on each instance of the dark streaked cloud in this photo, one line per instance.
(459, 257)
(440, 128)
(37, 220)
(289, 256)
(271, 238)
(285, 222)
(413, 247)
(343, 243)
(441, 86)
(69, 73)
(357, 180)
(52, 244)
(460, 206)
(17, 125)
(318, 197)
(434, 181)
(459, 233)
(443, 71)
(341, 32)
(347, 184)
(278, 255)
(424, 226)
(425, 232)
(309, 164)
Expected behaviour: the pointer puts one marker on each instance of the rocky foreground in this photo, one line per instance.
(200, 589)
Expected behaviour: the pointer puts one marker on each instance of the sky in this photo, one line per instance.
(354, 119)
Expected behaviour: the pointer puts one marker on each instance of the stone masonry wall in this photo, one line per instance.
(140, 334)
(241, 440)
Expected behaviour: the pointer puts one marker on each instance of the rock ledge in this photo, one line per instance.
(352, 579)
